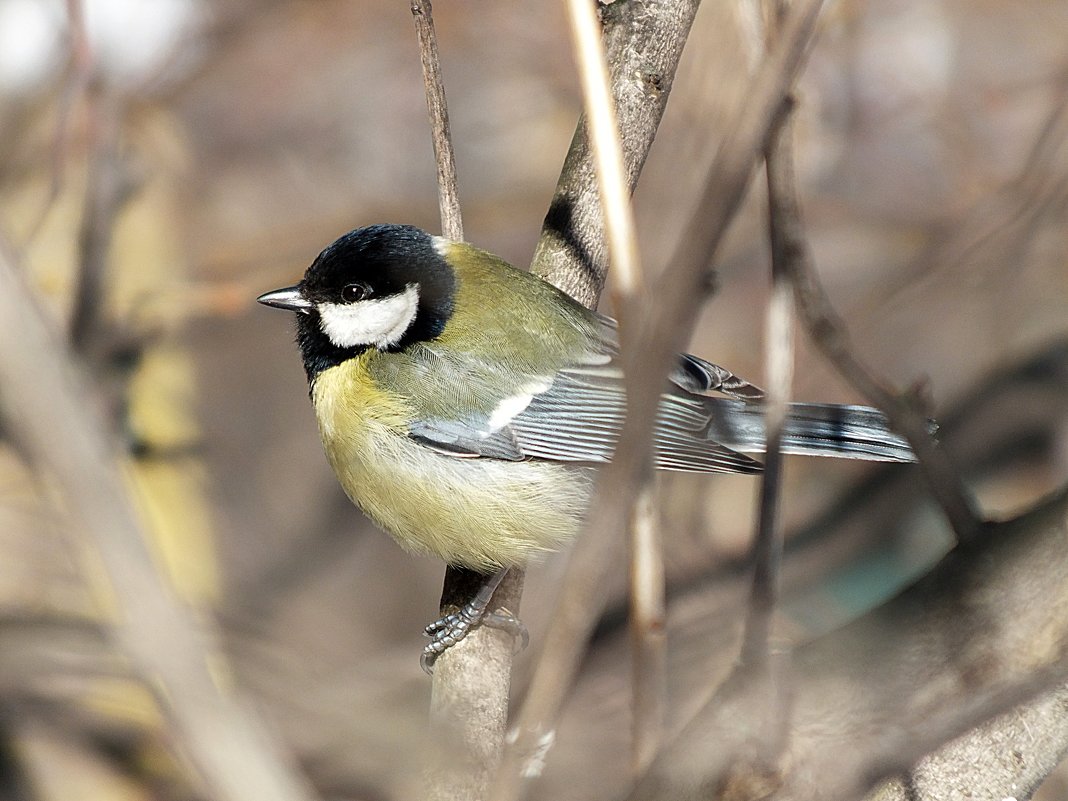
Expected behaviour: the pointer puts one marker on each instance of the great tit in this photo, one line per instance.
(462, 402)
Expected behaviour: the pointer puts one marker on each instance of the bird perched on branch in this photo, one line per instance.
(462, 402)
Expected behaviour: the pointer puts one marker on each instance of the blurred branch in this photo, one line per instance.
(760, 666)
(783, 217)
(52, 417)
(648, 631)
(1008, 215)
(662, 332)
(904, 679)
(80, 75)
(904, 411)
(107, 188)
(649, 655)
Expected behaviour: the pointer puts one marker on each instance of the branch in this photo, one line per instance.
(644, 41)
(903, 410)
(76, 86)
(62, 432)
(649, 654)
(779, 368)
(452, 226)
(107, 188)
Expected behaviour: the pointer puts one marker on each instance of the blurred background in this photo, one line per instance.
(162, 162)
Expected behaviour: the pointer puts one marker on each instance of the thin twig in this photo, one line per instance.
(76, 86)
(663, 331)
(779, 368)
(767, 545)
(448, 199)
(648, 632)
(903, 410)
(607, 148)
(107, 188)
(471, 684)
(61, 429)
(649, 657)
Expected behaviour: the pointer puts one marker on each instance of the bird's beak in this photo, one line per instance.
(288, 298)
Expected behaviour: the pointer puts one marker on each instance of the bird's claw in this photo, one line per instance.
(449, 630)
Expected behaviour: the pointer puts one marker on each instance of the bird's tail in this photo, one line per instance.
(813, 429)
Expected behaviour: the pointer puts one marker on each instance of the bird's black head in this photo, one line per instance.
(383, 286)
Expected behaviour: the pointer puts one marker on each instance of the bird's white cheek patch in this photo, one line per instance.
(380, 322)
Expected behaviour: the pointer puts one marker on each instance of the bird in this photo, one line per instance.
(464, 404)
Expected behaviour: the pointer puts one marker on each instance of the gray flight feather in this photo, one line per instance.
(579, 418)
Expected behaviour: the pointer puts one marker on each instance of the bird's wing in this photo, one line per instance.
(580, 416)
(571, 411)
(695, 375)
(577, 418)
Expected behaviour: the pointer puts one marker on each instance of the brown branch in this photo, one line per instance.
(1001, 721)
(904, 410)
(448, 199)
(779, 367)
(54, 420)
(644, 41)
(469, 698)
(107, 189)
(649, 654)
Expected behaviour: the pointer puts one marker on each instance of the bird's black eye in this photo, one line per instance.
(350, 293)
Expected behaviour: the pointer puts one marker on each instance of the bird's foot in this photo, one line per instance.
(452, 628)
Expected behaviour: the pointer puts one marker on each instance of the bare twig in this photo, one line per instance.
(646, 558)
(648, 632)
(470, 691)
(662, 334)
(107, 188)
(904, 410)
(81, 73)
(448, 200)
(53, 418)
(1009, 213)
(779, 361)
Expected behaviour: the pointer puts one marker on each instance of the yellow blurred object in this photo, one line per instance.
(126, 700)
(168, 479)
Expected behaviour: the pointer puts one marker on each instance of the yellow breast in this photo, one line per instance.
(475, 512)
